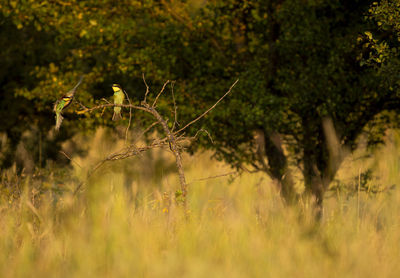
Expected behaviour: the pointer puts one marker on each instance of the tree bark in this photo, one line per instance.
(321, 160)
(314, 183)
(270, 146)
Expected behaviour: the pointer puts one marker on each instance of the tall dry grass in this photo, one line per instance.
(126, 223)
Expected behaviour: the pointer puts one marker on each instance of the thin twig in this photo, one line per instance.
(206, 132)
(209, 109)
(159, 94)
(257, 169)
(213, 177)
(137, 138)
(122, 154)
(105, 100)
(130, 117)
(81, 105)
(102, 106)
(175, 107)
(172, 141)
(147, 89)
(69, 158)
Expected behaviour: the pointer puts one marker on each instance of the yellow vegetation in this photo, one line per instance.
(126, 224)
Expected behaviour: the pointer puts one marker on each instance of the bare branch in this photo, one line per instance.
(209, 109)
(137, 138)
(130, 117)
(122, 154)
(175, 140)
(102, 106)
(216, 176)
(147, 89)
(105, 100)
(130, 151)
(257, 169)
(175, 107)
(81, 105)
(170, 137)
(206, 132)
(70, 159)
(159, 94)
(175, 149)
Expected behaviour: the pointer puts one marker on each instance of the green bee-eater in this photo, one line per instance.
(63, 103)
(119, 97)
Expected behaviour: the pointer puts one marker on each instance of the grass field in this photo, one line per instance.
(126, 223)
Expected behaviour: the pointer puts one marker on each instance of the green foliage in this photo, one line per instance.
(298, 63)
(384, 43)
(47, 45)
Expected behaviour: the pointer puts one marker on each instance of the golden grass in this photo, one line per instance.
(126, 224)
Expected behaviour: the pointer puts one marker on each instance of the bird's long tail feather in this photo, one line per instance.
(79, 83)
(117, 116)
(59, 119)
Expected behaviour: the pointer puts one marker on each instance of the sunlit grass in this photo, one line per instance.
(126, 223)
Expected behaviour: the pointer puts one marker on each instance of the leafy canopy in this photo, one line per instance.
(299, 62)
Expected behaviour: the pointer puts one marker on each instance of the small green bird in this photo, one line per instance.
(63, 103)
(119, 97)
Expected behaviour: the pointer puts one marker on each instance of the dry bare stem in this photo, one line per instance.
(214, 177)
(124, 153)
(159, 94)
(147, 89)
(130, 118)
(209, 109)
(173, 139)
(175, 107)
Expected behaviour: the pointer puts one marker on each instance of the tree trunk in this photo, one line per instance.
(314, 183)
(321, 162)
(270, 146)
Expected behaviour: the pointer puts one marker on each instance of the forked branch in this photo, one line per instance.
(209, 109)
(173, 139)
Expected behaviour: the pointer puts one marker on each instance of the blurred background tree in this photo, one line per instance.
(384, 41)
(311, 73)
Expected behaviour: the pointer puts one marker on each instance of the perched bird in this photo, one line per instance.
(64, 102)
(119, 97)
